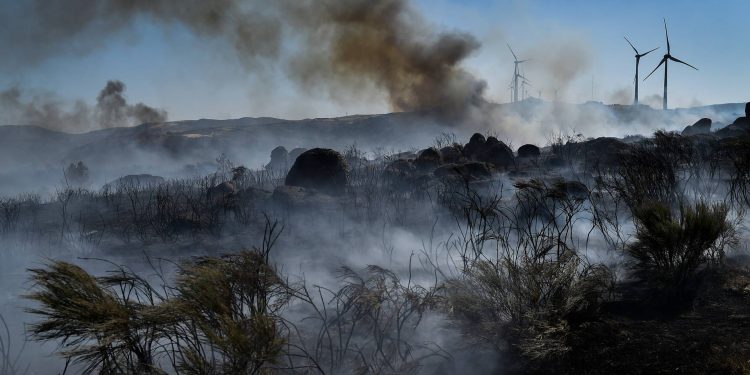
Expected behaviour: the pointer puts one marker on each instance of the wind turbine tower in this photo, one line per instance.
(665, 61)
(637, 62)
(516, 73)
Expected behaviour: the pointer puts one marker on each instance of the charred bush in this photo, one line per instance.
(670, 247)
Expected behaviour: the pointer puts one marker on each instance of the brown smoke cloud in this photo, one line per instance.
(330, 44)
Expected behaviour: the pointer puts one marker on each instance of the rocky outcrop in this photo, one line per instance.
(489, 150)
(529, 151)
(321, 169)
(428, 159)
(702, 126)
(294, 154)
(279, 159)
(739, 128)
(496, 153)
(475, 146)
(452, 154)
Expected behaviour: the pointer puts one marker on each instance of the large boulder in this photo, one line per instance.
(452, 154)
(702, 126)
(741, 124)
(496, 153)
(603, 151)
(279, 159)
(739, 128)
(428, 159)
(529, 151)
(475, 146)
(295, 153)
(322, 169)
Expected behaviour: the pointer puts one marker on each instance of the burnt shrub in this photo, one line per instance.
(670, 247)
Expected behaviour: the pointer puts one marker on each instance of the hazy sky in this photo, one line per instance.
(572, 43)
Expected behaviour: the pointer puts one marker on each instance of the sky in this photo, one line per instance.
(576, 47)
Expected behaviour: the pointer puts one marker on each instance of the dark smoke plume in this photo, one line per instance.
(337, 44)
(47, 110)
(113, 110)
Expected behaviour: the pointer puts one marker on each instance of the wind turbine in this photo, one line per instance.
(524, 82)
(665, 61)
(516, 73)
(637, 62)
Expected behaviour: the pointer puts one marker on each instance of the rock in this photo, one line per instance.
(471, 171)
(294, 154)
(733, 131)
(743, 122)
(496, 153)
(529, 151)
(475, 146)
(452, 154)
(739, 128)
(279, 159)
(428, 159)
(603, 151)
(321, 169)
(702, 126)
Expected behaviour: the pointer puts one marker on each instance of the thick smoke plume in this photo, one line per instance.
(113, 110)
(336, 44)
(47, 110)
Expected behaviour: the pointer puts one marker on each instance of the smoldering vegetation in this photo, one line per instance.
(585, 255)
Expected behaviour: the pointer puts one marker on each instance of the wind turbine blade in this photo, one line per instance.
(523, 61)
(650, 51)
(512, 53)
(657, 67)
(667, 34)
(681, 62)
(631, 45)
